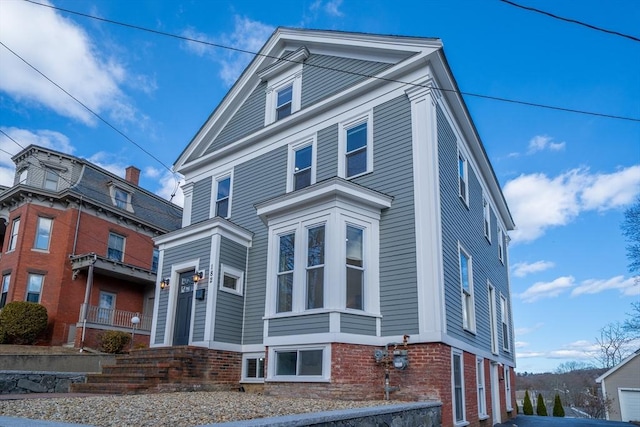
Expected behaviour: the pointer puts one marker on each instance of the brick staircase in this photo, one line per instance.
(166, 369)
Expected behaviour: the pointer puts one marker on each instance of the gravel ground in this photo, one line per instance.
(169, 409)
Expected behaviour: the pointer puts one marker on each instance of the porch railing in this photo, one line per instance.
(113, 317)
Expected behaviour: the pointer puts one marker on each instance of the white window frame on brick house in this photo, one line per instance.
(219, 197)
(466, 290)
(335, 203)
(458, 403)
(482, 389)
(504, 318)
(274, 369)
(294, 171)
(345, 154)
(110, 247)
(35, 283)
(256, 375)
(4, 292)
(463, 178)
(280, 75)
(486, 214)
(507, 388)
(13, 238)
(44, 229)
(235, 275)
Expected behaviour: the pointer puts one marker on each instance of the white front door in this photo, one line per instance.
(495, 393)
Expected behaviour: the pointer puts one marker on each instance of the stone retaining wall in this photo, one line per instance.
(19, 382)
(419, 414)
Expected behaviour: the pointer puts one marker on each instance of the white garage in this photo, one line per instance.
(629, 404)
(621, 385)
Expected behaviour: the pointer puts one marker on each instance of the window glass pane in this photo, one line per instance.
(285, 95)
(122, 197)
(222, 208)
(15, 227)
(303, 158)
(310, 362)
(315, 255)
(252, 368)
(34, 287)
(302, 179)
(315, 288)
(464, 271)
(283, 111)
(229, 282)
(50, 180)
(356, 137)
(5, 289)
(223, 188)
(356, 162)
(286, 362)
(116, 246)
(43, 233)
(23, 176)
(457, 382)
(287, 251)
(222, 197)
(285, 293)
(302, 168)
(154, 260)
(354, 246)
(261, 367)
(354, 288)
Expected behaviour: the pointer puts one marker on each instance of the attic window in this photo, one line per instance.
(120, 198)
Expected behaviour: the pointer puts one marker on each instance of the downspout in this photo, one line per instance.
(87, 294)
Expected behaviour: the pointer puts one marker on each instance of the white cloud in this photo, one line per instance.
(529, 354)
(169, 186)
(527, 330)
(628, 287)
(522, 269)
(152, 172)
(64, 52)
(8, 148)
(551, 289)
(330, 7)
(538, 202)
(542, 142)
(110, 162)
(521, 344)
(248, 35)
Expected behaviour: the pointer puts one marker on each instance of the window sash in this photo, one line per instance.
(500, 244)
(34, 287)
(155, 259)
(50, 180)
(505, 323)
(222, 197)
(464, 273)
(356, 150)
(121, 198)
(462, 177)
(482, 397)
(286, 266)
(43, 233)
(315, 267)
(254, 367)
(284, 102)
(15, 229)
(487, 219)
(115, 249)
(458, 397)
(299, 363)
(302, 167)
(6, 279)
(355, 268)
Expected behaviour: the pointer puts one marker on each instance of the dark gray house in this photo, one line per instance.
(346, 231)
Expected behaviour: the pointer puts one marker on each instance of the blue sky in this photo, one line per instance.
(568, 177)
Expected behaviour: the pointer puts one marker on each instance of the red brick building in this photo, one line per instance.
(78, 240)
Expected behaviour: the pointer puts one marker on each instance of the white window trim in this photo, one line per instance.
(112, 193)
(481, 385)
(486, 214)
(292, 77)
(326, 364)
(343, 127)
(465, 169)
(507, 388)
(227, 270)
(493, 317)
(245, 378)
(504, 320)
(500, 244)
(214, 193)
(463, 422)
(293, 147)
(471, 314)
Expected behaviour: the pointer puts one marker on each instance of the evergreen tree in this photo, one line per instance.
(541, 408)
(527, 407)
(558, 410)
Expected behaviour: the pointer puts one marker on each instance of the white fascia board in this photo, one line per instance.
(335, 188)
(205, 229)
(456, 104)
(295, 59)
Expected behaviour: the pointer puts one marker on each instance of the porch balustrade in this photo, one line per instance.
(114, 317)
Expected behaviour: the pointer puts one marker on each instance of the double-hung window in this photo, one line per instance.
(22, 178)
(457, 372)
(466, 282)
(6, 280)
(500, 244)
(286, 265)
(43, 233)
(302, 164)
(51, 179)
(121, 198)
(355, 144)
(223, 197)
(482, 395)
(507, 387)
(463, 181)
(355, 267)
(493, 319)
(284, 102)
(505, 322)
(486, 213)
(13, 239)
(115, 248)
(34, 287)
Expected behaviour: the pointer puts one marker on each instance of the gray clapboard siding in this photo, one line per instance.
(323, 76)
(201, 200)
(327, 156)
(354, 324)
(248, 119)
(257, 180)
(229, 306)
(197, 249)
(393, 175)
(299, 325)
(465, 225)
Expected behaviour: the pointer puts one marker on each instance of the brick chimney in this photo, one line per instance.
(132, 175)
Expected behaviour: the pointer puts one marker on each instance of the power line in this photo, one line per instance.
(89, 109)
(573, 21)
(218, 45)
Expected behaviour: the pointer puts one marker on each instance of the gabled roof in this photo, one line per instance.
(618, 366)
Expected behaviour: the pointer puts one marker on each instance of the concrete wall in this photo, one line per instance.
(56, 363)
